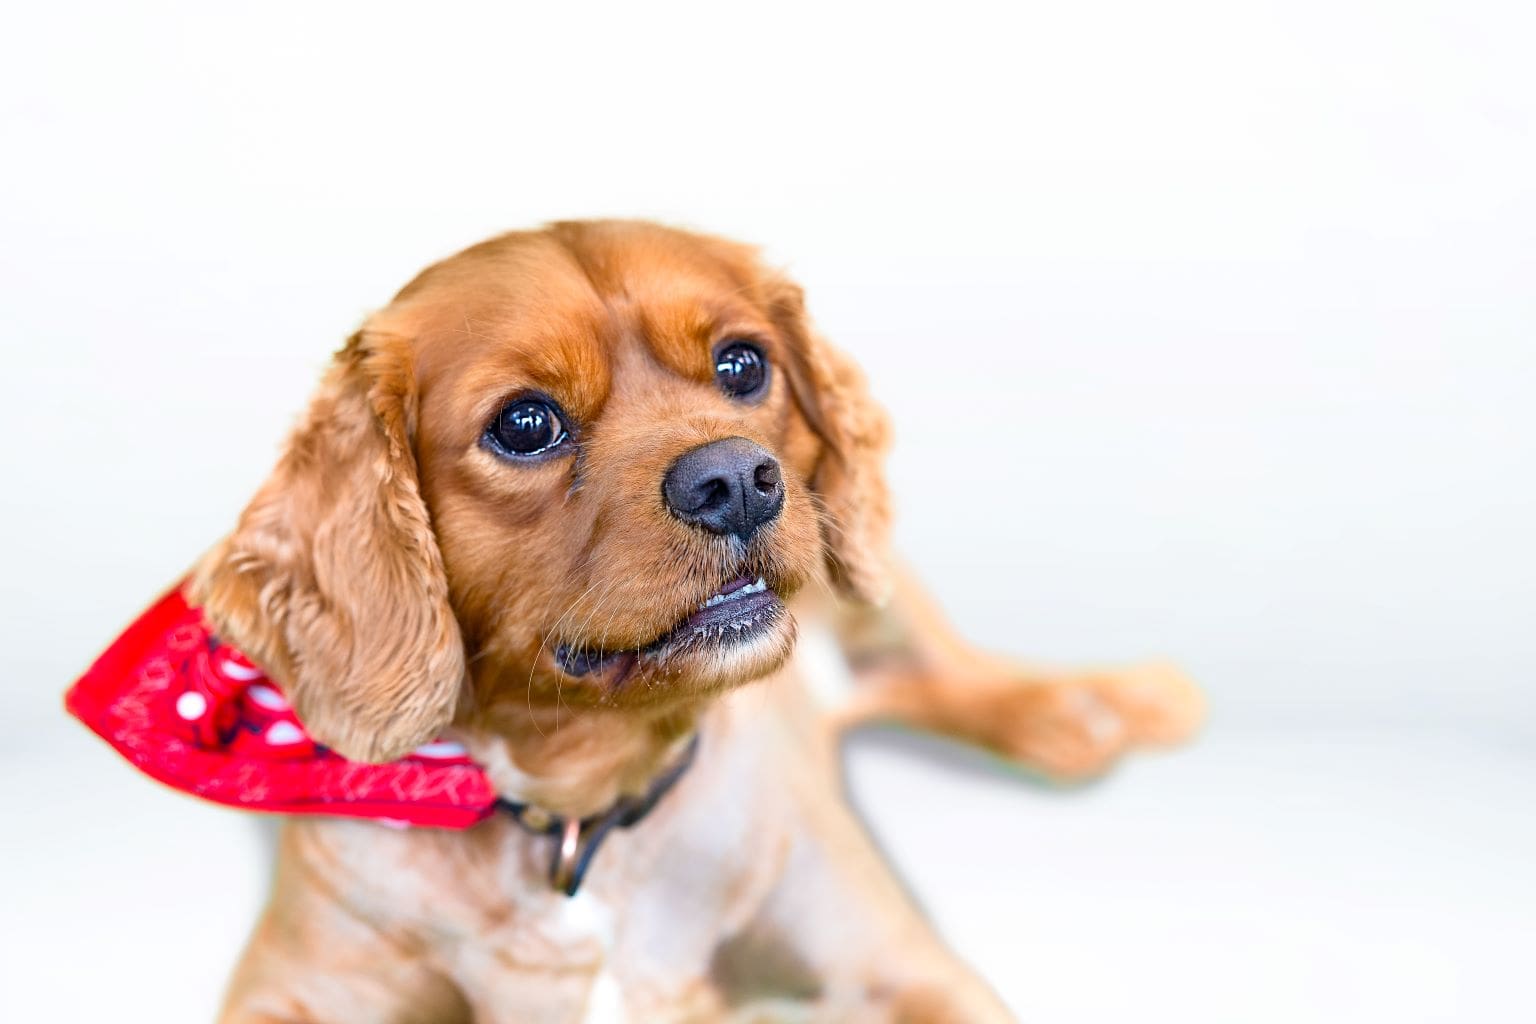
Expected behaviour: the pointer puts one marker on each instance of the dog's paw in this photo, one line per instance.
(1160, 705)
(1076, 727)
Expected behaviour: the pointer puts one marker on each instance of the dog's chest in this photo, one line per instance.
(658, 897)
(821, 665)
(585, 922)
(656, 901)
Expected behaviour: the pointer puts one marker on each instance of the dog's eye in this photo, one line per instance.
(741, 369)
(527, 426)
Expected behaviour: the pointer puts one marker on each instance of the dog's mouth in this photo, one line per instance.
(739, 613)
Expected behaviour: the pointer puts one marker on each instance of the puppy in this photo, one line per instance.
(558, 503)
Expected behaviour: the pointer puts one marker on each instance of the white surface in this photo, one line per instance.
(1262, 877)
(1208, 328)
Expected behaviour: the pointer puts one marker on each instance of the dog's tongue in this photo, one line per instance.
(734, 585)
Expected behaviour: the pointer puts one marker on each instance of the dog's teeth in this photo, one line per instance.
(757, 586)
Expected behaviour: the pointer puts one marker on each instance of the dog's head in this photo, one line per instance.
(586, 464)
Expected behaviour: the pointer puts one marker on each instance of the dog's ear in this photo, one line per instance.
(333, 581)
(850, 478)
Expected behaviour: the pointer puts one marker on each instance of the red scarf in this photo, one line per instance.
(193, 712)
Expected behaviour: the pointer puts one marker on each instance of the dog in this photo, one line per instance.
(558, 503)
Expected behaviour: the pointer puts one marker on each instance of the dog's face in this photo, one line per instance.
(607, 442)
(587, 464)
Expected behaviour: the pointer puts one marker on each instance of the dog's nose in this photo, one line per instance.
(729, 487)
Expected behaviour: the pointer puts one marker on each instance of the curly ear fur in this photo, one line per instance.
(850, 478)
(333, 581)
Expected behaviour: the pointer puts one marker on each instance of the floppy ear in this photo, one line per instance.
(850, 477)
(333, 581)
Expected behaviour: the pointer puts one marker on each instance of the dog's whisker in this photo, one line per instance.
(560, 680)
(826, 516)
(607, 625)
(533, 667)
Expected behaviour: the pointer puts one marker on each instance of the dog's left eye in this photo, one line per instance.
(528, 426)
(741, 369)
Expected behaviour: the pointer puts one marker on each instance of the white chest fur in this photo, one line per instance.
(585, 921)
(822, 665)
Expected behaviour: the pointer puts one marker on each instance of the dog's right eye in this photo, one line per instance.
(527, 426)
(741, 369)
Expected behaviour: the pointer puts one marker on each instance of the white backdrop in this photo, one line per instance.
(1209, 330)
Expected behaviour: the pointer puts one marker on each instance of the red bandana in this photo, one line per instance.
(192, 712)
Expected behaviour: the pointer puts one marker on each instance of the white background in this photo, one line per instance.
(1209, 330)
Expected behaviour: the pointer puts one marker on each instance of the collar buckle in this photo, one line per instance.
(578, 839)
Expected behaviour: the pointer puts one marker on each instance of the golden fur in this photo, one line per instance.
(404, 582)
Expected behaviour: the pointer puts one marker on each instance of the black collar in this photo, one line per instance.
(579, 838)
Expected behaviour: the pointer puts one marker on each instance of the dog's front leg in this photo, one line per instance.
(330, 969)
(837, 939)
(912, 667)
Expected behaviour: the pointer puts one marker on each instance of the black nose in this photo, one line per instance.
(729, 487)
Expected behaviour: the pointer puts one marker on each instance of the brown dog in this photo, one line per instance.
(554, 502)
